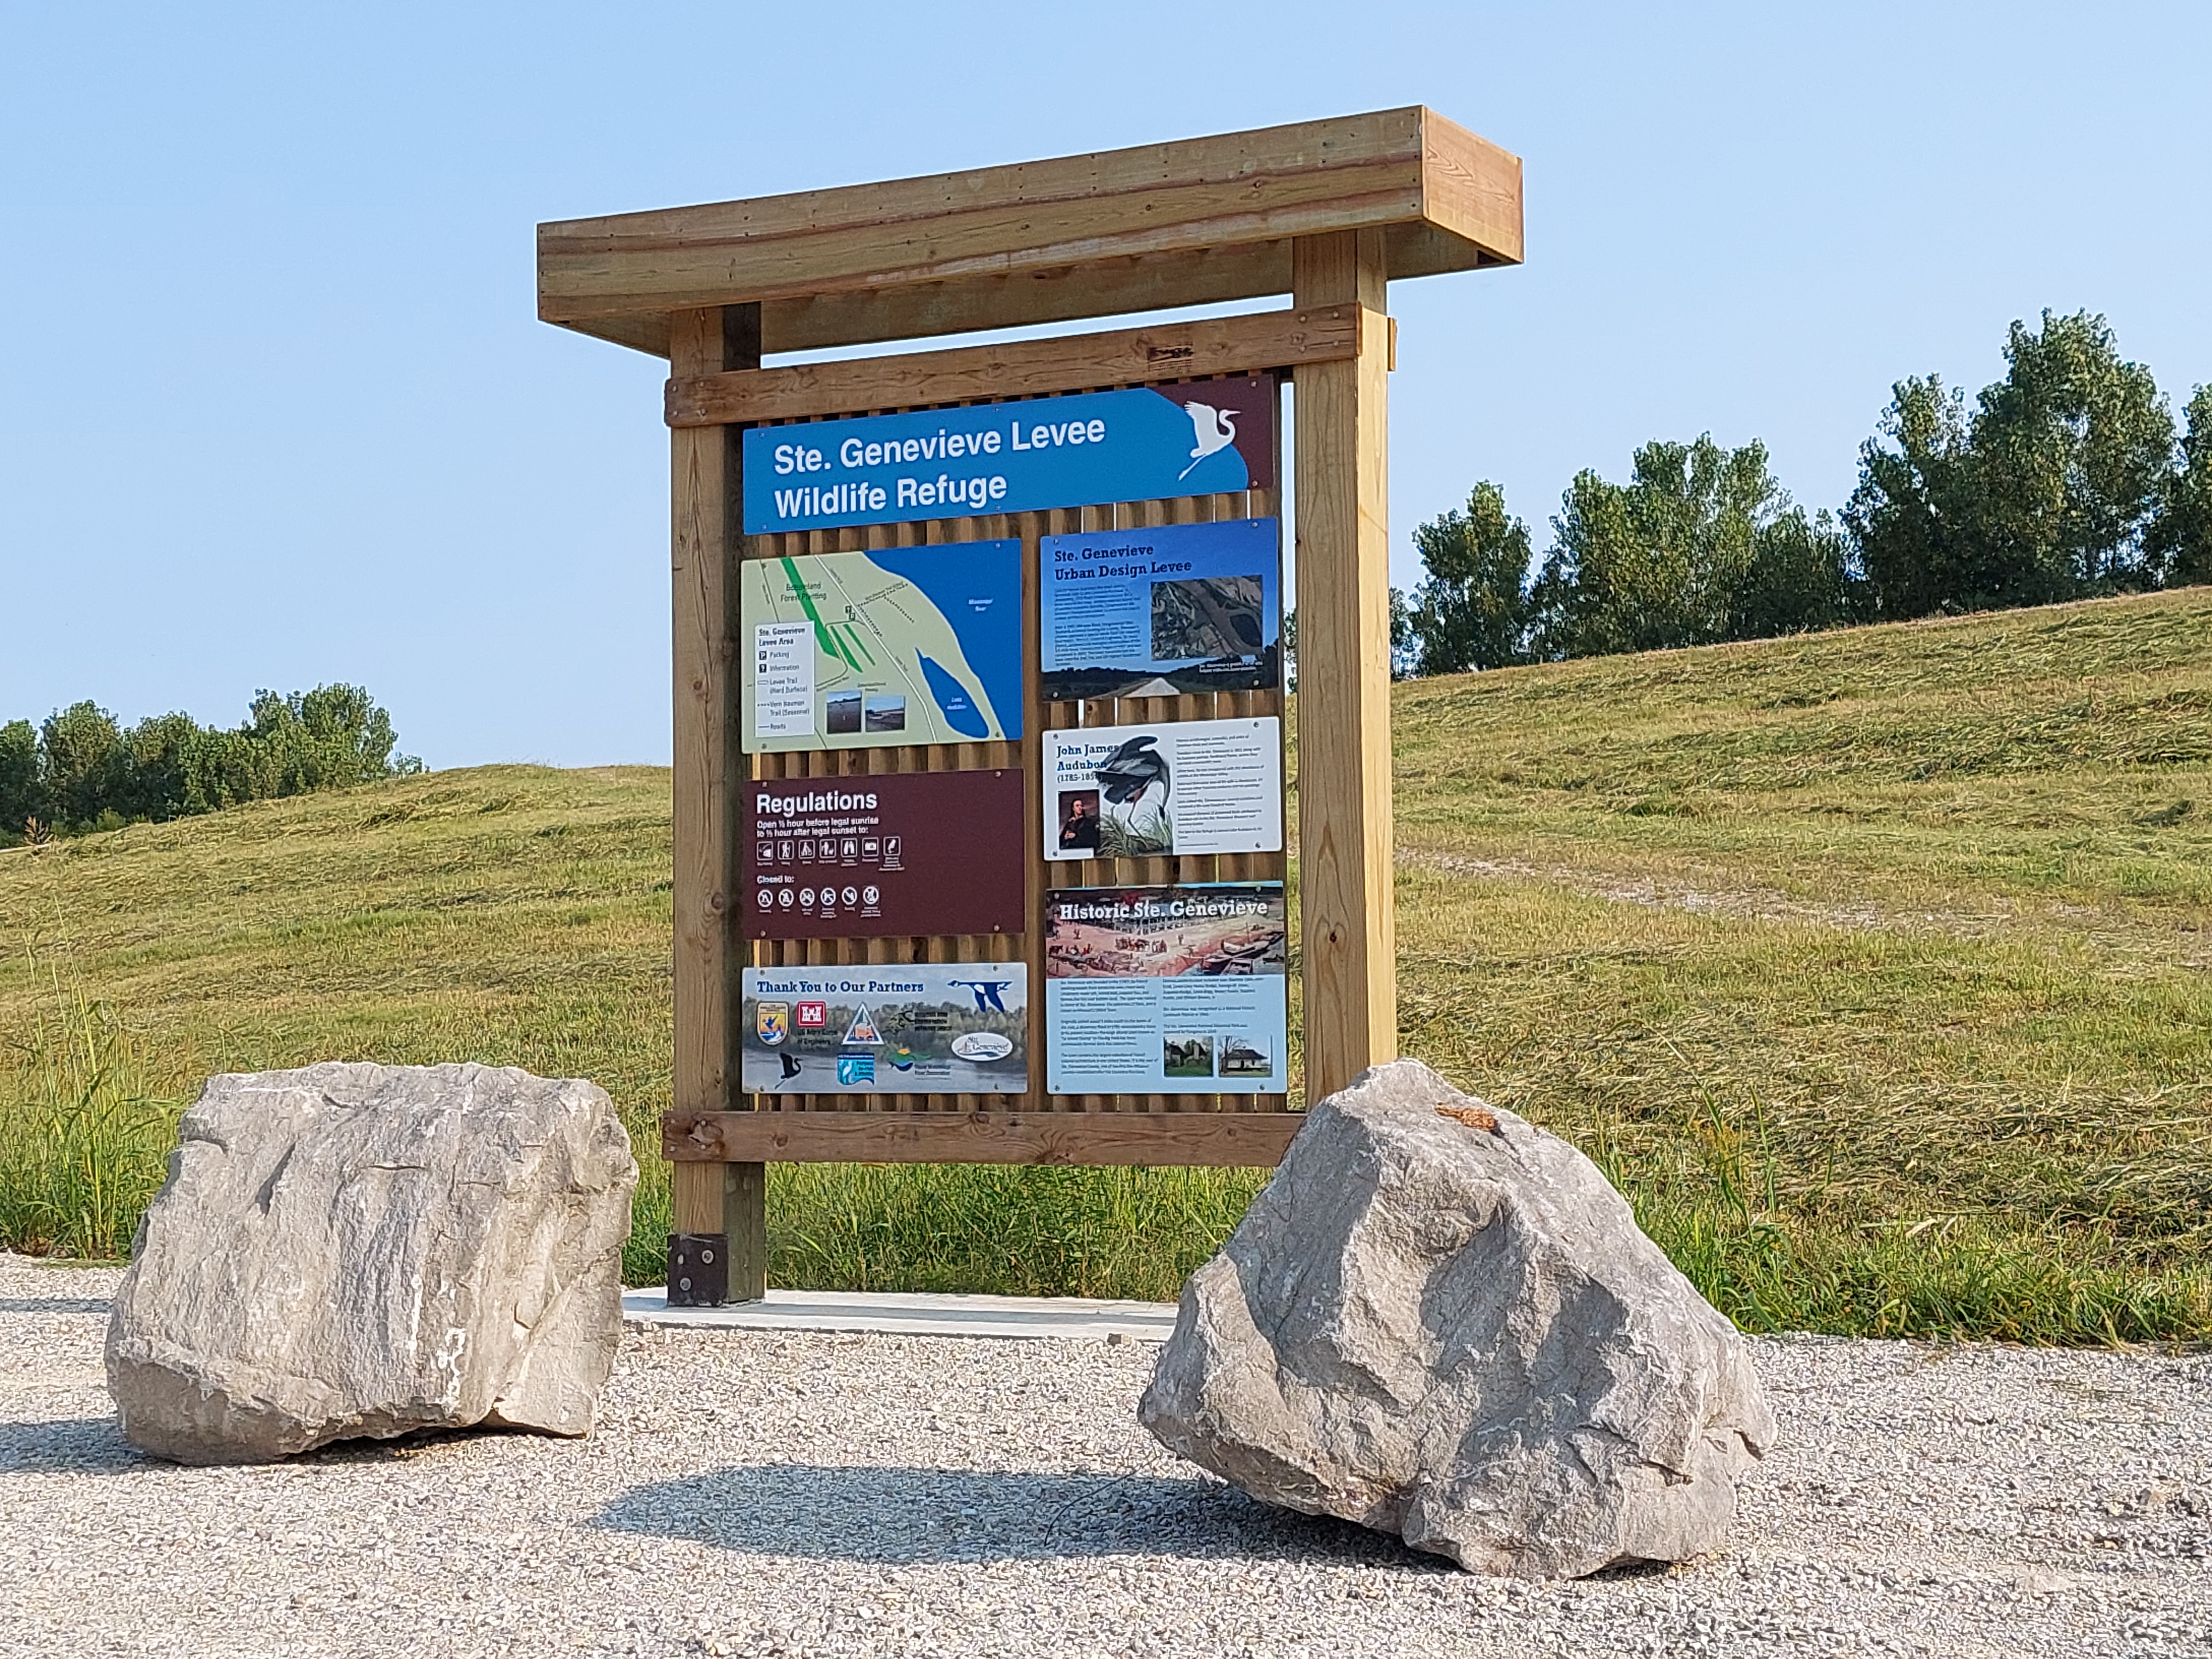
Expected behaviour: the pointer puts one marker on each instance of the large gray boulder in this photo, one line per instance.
(350, 1250)
(1440, 1322)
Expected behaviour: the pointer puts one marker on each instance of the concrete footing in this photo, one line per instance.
(1063, 1316)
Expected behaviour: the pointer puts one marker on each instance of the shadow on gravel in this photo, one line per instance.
(95, 1445)
(902, 1516)
(54, 1304)
(67, 1445)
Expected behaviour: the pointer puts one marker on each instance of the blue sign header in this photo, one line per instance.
(1201, 438)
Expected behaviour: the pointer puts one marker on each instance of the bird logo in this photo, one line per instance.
(1216, 429)
(986, 993)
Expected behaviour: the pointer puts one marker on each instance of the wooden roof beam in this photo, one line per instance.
(1194, 222)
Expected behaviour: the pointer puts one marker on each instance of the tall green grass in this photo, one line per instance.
(1872, 968)
(1718, 1205)
(1048, 1232)
(84, 1137)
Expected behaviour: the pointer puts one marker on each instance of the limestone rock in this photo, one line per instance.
(1442, 1321)
(351, 1250)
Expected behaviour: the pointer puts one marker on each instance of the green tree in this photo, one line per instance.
(160, 749)
(83, 772)
(227, 769)
(85, 768)
(2049, 492)
(2180, 542)
(1473, 610)
(1404, 650)
(1802, 578)
(22, 795)
(330, 737)
(1660, 561)
(2075, 447)
(1916, 514)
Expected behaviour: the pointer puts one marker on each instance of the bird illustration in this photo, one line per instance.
(1216, 429)
(1132, 768)
(1135, 821)
(986, 993)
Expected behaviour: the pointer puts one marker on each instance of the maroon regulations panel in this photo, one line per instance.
(899, 853)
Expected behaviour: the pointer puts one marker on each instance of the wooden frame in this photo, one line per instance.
(1325, 212)
(1229, 1140)
(1021, 369)
(1194, 222)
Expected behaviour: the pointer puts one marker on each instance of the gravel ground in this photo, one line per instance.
(817, 1494)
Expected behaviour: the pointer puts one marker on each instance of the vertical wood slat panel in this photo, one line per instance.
(1029, 529)
(1253, 867)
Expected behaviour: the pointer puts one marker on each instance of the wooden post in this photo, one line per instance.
(1350, 932)
(707, 542)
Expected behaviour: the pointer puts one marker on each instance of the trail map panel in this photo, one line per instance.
(898, 646)
(934, 1027)
(897, 854)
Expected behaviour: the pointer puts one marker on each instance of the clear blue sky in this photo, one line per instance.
(275, 409)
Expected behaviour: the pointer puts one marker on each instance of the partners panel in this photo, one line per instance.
(921, 1028)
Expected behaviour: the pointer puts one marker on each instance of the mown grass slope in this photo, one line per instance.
(1872, 966)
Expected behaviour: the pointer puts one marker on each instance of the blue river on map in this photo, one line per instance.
(976, 587)
(952, 699)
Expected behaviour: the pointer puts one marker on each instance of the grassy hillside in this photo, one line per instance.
(1871, 965)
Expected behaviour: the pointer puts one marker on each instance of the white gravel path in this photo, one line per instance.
(831, 1495)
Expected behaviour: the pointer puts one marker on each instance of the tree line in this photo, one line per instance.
(2066, 479)
(79, 770)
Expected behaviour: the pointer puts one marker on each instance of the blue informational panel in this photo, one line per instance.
(1199, 438)
(1167, 990)
(1157, 612)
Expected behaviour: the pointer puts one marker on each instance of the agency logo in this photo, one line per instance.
(862, 1033)
(772, 1022)
(981, 1045)
(812, 1016)
(855, 1069)
(1215, 430)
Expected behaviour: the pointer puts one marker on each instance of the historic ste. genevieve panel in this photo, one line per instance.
(882, 649)
(1089, 449)
(891, 854)
(1167, 990)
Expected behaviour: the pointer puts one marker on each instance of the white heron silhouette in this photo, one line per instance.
(1216, 429)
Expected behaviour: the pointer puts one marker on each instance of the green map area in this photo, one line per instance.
(908, 647)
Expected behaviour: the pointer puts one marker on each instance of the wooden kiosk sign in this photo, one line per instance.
(979, 850)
